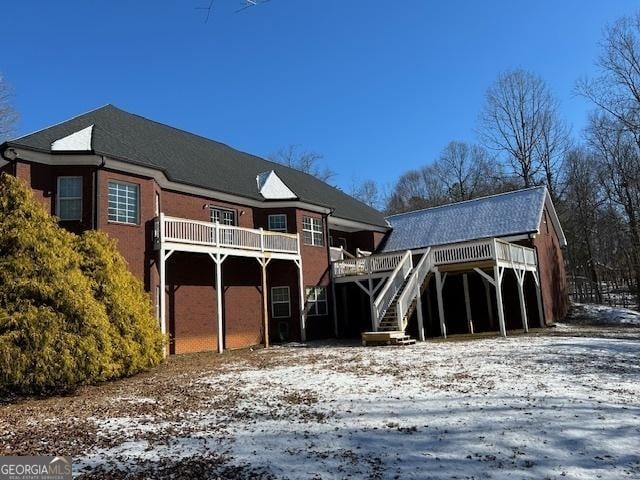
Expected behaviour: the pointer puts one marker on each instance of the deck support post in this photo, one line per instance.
(467, 301)
(335, 308)
(498, 272)
(487, 292)
(536, 277)
(163, 256)
(523, 307)
(303, 325)
(372, 309)
(265, 305)
(218, 259)
(420, 319)
(439, 286)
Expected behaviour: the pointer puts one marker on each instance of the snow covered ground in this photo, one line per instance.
(552, 405)
(603, 315)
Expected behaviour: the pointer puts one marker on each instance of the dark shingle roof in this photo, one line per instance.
(194, 160)
(501, 215)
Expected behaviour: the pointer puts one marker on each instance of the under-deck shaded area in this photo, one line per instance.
(472, 287)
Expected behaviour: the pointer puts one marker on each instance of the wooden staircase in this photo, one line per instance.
(389, 321)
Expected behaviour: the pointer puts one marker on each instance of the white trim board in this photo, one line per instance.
(163, 181)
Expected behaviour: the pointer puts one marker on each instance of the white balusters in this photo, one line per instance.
(195, 232)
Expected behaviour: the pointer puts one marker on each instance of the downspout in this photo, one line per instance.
(96, 196)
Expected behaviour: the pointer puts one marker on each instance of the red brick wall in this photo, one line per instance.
(191, 307)
(552, 272)
(242, 302)
(136, 241)
(315, 267)
(43, 180)
(191, 297)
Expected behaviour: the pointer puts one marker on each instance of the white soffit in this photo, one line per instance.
(271, 187)
(79, 141)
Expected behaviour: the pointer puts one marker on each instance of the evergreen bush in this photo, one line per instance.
(137, 341)
(55, 329)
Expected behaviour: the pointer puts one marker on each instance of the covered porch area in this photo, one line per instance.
(213, 290)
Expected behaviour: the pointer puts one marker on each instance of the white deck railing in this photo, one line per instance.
(392, 287)
(365, 265)
(517, 254)
(475, 251)
(195, 232)
(411, 290)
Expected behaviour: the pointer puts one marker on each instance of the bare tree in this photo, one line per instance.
(619, 174)
(8, 116)
(367, 192)
(519, 113)
(580, 213)
(616, 90)
(305, 161)
(466, 171)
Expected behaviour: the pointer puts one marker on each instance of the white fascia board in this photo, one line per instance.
(353, 226)
(79, 141)
(160, 178)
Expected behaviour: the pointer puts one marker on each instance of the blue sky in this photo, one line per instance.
(377, 87)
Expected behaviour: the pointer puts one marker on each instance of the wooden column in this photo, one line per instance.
(372, 307)
(265, 303)
(420, 319)
(439, 286)
(497, 274)
(163, 256)
(335, 308)
(523, 307)
(161, 295)
(536, 277)
(487, 292)
(303, 326)
(467, 301)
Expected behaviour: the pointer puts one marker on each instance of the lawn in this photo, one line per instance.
(564, 403)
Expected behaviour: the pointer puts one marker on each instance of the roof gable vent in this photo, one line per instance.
(271, 187)
(79, 141)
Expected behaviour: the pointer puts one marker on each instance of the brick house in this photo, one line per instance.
(194, 217)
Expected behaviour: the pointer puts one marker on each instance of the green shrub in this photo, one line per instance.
(137, 341)
(55, 332)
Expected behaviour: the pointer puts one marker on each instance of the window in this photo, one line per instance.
(280, 302)
(312, 231)
(338, 242)
(157, 207)
(223, 216)
(123, 202)
(278, 222)
(69, 206)
(316, 301)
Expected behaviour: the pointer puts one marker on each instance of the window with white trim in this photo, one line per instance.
(312, 232)
(316, 301)
(278, 222)
(69, 198)
(123, 202)
(223, 216)
(280, 302)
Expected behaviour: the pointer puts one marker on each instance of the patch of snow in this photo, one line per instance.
(603, 315)
(522, 407)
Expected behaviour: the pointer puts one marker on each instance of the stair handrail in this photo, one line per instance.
(411, 289)
(390, 289)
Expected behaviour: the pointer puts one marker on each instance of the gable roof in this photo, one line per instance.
(191, 159)
(502, 215)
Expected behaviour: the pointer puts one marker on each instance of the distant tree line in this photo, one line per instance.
(593, 178)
